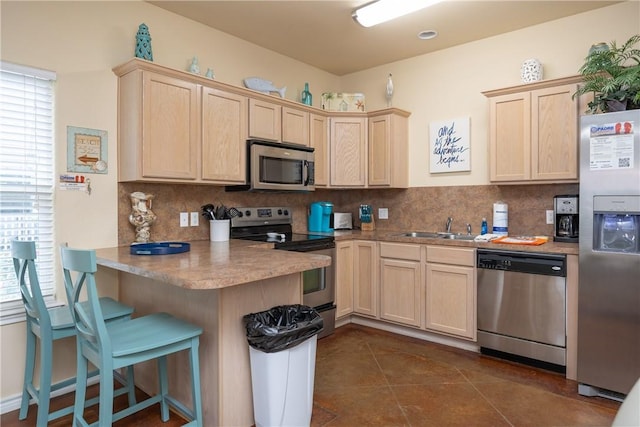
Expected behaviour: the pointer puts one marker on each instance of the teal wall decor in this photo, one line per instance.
(143, 43)
(87, 150)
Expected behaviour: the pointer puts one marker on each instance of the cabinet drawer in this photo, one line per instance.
(400, 251)
(451, 255)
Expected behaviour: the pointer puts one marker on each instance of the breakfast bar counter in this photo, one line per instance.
(213, 285)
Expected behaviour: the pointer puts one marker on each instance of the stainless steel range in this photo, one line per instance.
(274, 224)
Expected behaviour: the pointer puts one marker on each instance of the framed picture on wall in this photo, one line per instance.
(87, 150)
(450, 146)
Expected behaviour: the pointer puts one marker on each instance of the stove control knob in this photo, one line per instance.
(286, 212)
(279, 211)
(247, 212)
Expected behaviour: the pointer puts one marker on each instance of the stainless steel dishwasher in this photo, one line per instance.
(522, 305)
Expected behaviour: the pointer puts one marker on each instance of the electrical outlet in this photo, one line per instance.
(549, 216)
(383, 213)
(184, 219)
(195, 219)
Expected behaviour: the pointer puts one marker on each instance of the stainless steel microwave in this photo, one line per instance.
(274, 166)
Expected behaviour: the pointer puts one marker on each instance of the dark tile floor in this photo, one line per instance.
(366, 377)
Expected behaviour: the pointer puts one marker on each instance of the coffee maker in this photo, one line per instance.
(320, 215)
(565, 209)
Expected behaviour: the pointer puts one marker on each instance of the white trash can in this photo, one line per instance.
(282, 385)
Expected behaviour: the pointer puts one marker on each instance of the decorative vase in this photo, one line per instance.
(306, 96)
(194, 67)
(389, 93)
(142, 216)
(143, 43)
(598, 47)
(531, 71)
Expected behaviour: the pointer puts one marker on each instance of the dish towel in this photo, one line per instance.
(486, 237)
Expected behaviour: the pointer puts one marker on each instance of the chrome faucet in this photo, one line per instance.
(469, 229)
(448, 226)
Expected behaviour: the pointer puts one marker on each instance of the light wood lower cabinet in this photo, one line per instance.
(365, 278)
(401, 284)
(344, 278)
(451, 291)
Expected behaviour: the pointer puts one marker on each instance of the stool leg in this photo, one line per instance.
(106, 392)
(131, 386)
(164, 388)
(195, 381)
(81, 389)
(46, 356)
(30, 363)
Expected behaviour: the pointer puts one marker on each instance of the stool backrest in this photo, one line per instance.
(23, 253)
(79, 268)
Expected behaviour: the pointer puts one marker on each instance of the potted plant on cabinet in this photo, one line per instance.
(612, 74)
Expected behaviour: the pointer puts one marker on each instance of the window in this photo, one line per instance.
(26, 178)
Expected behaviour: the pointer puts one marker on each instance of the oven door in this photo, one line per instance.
(319, 284)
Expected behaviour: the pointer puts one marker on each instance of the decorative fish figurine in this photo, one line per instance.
(262, 85)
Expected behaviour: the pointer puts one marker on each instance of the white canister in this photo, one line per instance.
(219, 230)
(500, 219)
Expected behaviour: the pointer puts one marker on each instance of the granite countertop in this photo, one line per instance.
(395, 236)
(212, 265)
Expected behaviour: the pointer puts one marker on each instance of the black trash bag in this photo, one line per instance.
(282, 327)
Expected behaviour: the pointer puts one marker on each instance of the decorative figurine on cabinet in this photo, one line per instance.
(141, 216)
(194, 67)
(389, 92)
(306, 97)
(143, 43)
(210, 74)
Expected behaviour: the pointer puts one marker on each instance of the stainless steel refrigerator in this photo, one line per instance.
(609, 286)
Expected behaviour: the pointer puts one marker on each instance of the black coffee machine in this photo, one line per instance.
(565, 209)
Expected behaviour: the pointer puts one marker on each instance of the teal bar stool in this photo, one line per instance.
(48, 325)
(124, 344)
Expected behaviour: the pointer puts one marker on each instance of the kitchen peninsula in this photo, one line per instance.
(212, 285)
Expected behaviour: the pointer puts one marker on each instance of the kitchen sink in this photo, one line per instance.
(438, 235)
(422, 234)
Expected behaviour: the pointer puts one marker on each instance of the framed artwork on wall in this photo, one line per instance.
(450, 146)
(87, 150)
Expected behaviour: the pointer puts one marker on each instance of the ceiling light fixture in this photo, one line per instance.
(427, 34)
(386, 10)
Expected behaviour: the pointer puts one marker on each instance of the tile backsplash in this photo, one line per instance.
(415, 209)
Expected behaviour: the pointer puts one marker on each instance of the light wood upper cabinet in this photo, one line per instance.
(451, 291)
(265, 120)
(344, 278)
(348, 142)
(388, 146)
(158, 128)
(533, 132)
(319, 140)
(224, 132)
(401, 284)
(365, 278)
(295, 126)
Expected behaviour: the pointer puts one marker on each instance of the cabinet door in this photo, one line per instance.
(379, 173)
(554, 139)
(265, 120)
(224, 135)
(318, 139)
(295, 126)
(510, 137)
(170, 123)
(348, 151)
(344, 278)
(400, 290)
(451, 300)
(365, 279)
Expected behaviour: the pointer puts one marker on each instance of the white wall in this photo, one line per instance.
(83, 41)
(447, 84)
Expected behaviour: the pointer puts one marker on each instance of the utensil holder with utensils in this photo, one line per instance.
(219, 230)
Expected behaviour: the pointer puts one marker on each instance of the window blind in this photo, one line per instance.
(26, 176)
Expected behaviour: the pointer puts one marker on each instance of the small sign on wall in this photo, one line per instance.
(86, 150)
(450, 146)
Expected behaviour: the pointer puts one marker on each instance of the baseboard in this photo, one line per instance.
(13, 403)
(409, 332)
